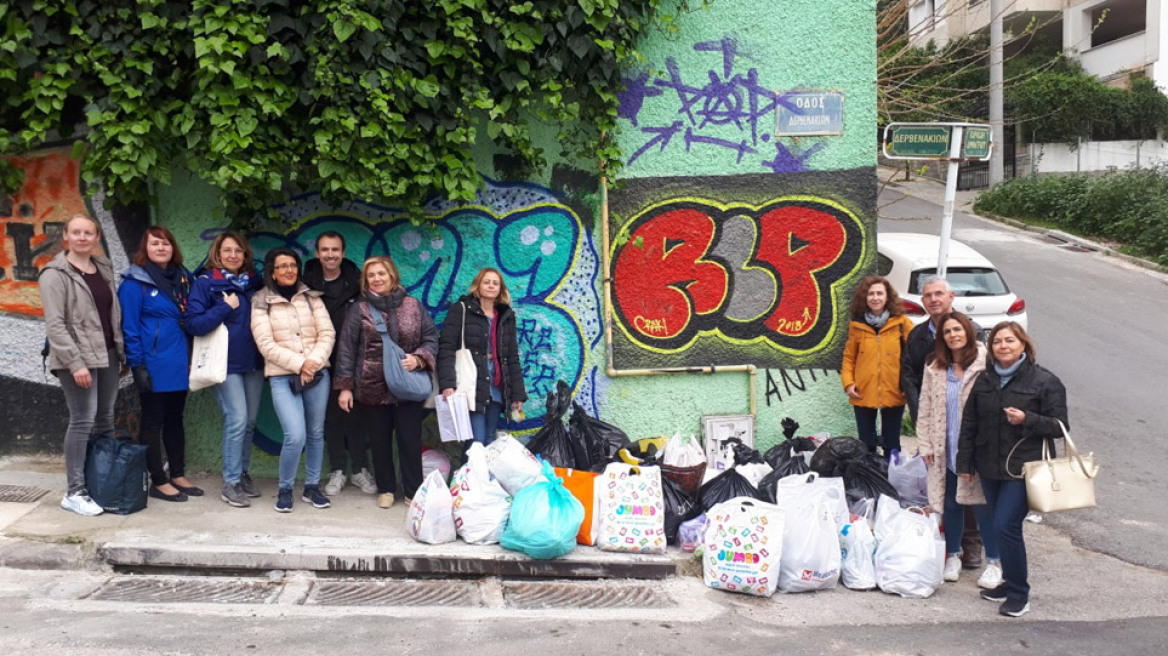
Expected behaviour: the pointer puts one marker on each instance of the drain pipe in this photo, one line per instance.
(750, 369)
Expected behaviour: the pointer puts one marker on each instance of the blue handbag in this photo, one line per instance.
(115, 473)
(405, 385)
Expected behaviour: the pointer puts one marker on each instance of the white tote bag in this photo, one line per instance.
(465, 372)
(209, 359)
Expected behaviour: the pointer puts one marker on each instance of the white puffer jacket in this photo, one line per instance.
(288, 333)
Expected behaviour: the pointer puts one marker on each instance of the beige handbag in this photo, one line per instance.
(1053, 484)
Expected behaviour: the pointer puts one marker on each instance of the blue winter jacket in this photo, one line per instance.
(207, 309)
(152, 326)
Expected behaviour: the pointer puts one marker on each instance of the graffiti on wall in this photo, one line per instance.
(704, 274)
(547, 258)
(723, 109)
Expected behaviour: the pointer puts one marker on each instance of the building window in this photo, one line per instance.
(1117, 19)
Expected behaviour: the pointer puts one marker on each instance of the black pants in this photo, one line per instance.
(162, 426)
(345, 444)
(385, 424)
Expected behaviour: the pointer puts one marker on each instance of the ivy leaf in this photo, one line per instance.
(343, 29)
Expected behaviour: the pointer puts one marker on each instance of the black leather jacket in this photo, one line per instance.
(477, 340)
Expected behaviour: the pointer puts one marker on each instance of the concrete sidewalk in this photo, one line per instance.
(206, 534)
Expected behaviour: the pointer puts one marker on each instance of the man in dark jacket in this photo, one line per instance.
(339, 281)
(937, 297)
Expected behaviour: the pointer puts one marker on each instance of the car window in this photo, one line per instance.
(883, 264)
(965, 281)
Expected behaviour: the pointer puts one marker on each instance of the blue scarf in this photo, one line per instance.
(240, 280)
(1007, 373)
(877, 322)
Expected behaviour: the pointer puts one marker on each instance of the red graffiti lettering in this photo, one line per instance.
(798, 242)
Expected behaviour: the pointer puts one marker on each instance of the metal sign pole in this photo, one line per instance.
(955, 144)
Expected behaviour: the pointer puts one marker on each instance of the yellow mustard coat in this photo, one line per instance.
(872, 362)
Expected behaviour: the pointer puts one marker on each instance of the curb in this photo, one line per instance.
(16, 553)
(1074, 239)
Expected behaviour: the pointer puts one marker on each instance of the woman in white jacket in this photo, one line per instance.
(295, 335)
(948, 378)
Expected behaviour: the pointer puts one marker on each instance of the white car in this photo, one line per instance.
(906, 259)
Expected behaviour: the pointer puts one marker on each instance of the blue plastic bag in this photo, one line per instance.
(545, 518)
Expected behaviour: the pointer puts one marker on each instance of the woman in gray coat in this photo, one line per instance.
(83, 321)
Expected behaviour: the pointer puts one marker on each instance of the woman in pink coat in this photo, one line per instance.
(949, 375)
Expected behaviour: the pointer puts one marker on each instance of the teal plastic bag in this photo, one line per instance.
(545, 518)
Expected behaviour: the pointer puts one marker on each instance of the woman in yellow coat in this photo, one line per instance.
(871, 366)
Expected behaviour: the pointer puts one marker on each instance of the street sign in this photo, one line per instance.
(809, 113)
(978, 143)
(917, 141)
(935, 141)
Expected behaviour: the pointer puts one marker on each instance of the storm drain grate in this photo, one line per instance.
(533, 596)
(186, 591)
(21, 493)
(395, 593)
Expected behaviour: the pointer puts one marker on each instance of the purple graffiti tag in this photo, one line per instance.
(633, 97)
(662, 139)
(787, 162)
(742, 147)
(726, 46)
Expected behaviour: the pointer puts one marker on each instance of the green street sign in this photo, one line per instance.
(919, 141)
(977, 142)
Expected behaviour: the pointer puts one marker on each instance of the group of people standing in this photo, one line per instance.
(290, 324)
(980, 414)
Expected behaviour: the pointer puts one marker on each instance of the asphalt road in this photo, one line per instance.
(1101, 326)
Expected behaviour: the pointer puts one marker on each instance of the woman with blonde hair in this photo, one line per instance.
(360, 374)
(83, 321)
(871, 365)
(485, 320)
(221, 296)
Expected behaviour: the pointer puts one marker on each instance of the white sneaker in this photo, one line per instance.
(80, 503)
(364, 480)
(991, 577)
(335, 483)
(952, 568)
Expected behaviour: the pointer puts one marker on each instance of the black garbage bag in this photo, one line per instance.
(645, 452)
(787, 457)
(768, 487)
(789, 427)
(678, 506)
(601, 440)
(743, 454)
(723, 487)
(552, 442)
(831, 457)
(867, 478)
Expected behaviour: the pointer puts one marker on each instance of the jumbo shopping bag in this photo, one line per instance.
(743, 545)
(632, 509)
(413, 385)
(811, 549)
(512, 464)
(910, 552)
(481, 505)
(115, 473)
(582, 485)
(544, 519)
(208, 359)
(430, 518)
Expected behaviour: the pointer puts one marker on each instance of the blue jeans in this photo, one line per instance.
(483, 424)
(954, 520)
(302, 418)
(239, 400)
(1007, 501)
(889, 427)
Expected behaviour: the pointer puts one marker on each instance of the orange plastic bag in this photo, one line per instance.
(582, 486)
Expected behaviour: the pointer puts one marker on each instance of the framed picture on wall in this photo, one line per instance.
(717, 431)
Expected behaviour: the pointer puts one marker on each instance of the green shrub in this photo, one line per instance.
(1130, 207)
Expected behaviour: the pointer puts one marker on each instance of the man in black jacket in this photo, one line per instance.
(339, 282)
(937, 297)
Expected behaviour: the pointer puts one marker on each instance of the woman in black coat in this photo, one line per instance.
(1014, 405)
(485, 317)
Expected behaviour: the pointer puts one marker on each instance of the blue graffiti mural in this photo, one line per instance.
(547, 257)
(725, 101)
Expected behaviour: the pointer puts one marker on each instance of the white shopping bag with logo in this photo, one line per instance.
(632, 509)
(811, 549)
(743, 546)
(430, 518)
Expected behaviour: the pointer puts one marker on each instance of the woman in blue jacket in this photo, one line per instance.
(154, 294)
(221, 295)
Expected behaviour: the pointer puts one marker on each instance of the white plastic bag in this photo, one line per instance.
(465, 373)
(430, 518)
(481, 505)
(811, 550)
(683, 452)
(858, 555)
(512, 464)
(809, 487)
(632, 509)
(910, 552)
(209, 359)
(910, 477)
(754, 471)
(743, 546)
(433, 460)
